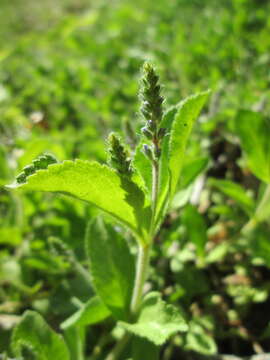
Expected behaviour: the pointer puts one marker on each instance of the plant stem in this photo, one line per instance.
(155, 186)
(145, 249)
(142, 264)
(141, 274)
(117, 350)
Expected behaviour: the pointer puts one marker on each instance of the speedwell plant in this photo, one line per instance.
(135, 189)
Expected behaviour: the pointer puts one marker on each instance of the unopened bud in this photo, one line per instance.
(50, 158)
(147, 133)
(157, 152)
(29, 170)
(42, 162)
(147, 151)
(161, 133)
(21, 178)
(151, 125)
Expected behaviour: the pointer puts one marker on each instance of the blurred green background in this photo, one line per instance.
(69, 73)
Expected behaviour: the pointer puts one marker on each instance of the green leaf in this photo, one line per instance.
(253, 130)
(165, 176)
(191, 169)
(236, 192)
(112, 267)
(263, 207)
(260, 244)
(143, 169)
(182, 197)
(184, 119)
(157, 320)
(143, 349)
(218, 253)
(34, 333)
(91, 313)
(97, 184)
(198, 337)
(196, 228)
(75, 339)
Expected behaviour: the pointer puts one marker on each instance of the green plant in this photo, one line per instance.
(136, 191)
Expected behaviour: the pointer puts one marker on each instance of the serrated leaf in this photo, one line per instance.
(91, 313)
(34, 333)
(187, 113)
(112, 267)
(97, 184)
(236, 192)
(157, 320)
(144, 349)
(253, 129)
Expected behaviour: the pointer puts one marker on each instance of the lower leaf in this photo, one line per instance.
(35, 334)
(91, 313)
(112, 267)
(157, 320)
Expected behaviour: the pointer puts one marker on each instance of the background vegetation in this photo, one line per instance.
(69, 75)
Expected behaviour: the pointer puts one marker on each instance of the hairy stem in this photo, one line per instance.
(145, 249)
(141, 274)
(155, 186)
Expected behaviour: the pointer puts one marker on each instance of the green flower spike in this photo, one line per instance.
(42, 162)
(118, 155)
(152, 110)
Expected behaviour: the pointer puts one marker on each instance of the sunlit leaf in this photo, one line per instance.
(97, 184)
(182, 125)
(157, 320)
(90, 313)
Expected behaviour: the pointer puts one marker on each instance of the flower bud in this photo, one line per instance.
(148, 152)
(150, 95)
(29, 170)
(151, 125)
(147, 133)
(161, 133)
(21, 178)
(50, 158)
(157, 152)
(43, 164)
(118, 155)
